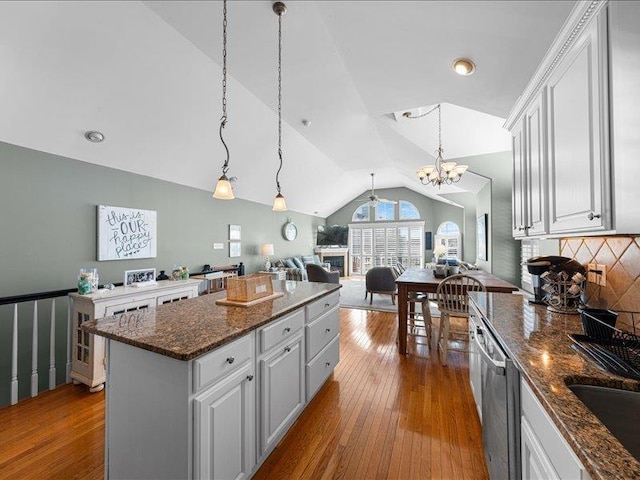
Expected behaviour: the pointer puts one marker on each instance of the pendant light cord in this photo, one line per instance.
(223, 119)
(279, 101)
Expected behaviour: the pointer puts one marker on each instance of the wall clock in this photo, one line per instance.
(290, 231)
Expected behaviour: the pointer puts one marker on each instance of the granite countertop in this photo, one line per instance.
(537, 341)
(189, 328)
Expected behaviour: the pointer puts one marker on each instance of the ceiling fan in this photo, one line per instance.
(373, 199)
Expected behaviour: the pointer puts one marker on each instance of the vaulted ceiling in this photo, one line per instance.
(148, 75)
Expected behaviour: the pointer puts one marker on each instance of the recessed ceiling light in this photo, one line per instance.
(464, 66)
(93, 136)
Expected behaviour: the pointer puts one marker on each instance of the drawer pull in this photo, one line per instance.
(287, 329)
(328, 364)
(230, 360)
(592, 215)
(327, 330)
(326, 305)
(287, 349)
(249, 377)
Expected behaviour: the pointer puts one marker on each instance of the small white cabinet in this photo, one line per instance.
(88, 355)
(545, 453)
(323, 341)
(475, 361)
(224, 417)
(577, 127)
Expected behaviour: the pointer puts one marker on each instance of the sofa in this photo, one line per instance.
(295, 267)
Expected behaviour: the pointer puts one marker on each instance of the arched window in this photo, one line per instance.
(385, 211)
(408, 211)
(361, 214)
(448, 234)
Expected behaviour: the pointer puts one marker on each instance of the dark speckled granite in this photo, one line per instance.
(537, 340)
(187, 329)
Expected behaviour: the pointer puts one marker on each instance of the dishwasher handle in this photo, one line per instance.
(498, 367)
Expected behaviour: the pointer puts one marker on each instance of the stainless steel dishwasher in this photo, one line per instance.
(500, 406)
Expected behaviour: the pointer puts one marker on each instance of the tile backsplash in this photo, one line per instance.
(621, 255)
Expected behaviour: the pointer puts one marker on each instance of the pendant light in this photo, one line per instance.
(223, 189)
(279, 204)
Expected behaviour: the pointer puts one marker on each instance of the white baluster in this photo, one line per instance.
(52, 347)
(34, 352)
(69, 341)
(14, 357)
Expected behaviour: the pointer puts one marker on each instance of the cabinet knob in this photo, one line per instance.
(328, 364)
(287, 329)
(326, 305)
(249, 377)
(328, 330)
(287, 349)
(230, 360)
(592, 215)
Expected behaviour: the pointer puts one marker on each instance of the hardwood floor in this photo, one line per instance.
(379, 416)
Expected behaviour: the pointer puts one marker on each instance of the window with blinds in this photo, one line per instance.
(383, 245)
(528, 249)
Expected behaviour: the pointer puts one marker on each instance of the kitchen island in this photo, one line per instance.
(537, 341)
(200, 390)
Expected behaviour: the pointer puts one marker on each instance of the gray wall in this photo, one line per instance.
(48, 232)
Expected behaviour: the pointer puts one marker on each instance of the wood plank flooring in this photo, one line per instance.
(380, 416)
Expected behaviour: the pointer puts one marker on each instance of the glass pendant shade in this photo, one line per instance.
(223, 189)
(279, 205)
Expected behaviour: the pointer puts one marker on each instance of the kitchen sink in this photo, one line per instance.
(614, 408)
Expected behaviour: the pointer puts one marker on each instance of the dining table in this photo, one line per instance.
(423, 280)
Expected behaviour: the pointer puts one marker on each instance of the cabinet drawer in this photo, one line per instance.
(564, 461)
(221, 361)
(322, 305)
(280, 330)
(319, 369)
(321, 331)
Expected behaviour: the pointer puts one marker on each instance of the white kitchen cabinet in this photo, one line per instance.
(587, 82)
(282, 381)
(545, 453)
(579, 196)
(225, 427)
(529, 171)
(475, 361)
(322, 341)
(88, 355)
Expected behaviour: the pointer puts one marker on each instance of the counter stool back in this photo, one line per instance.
(453, 302)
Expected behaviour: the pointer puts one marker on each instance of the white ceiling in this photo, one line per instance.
(148, 75)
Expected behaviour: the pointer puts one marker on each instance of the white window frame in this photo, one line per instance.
(450, 240)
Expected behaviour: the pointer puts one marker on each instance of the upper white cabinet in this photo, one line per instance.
(574, 150)
(577, 119)
(529, 171)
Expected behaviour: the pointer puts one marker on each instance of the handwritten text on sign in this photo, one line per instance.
(125, 233)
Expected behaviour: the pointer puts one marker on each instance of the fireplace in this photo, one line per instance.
(337, 257)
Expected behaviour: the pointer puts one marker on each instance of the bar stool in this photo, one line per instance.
(416, 322)
(453, 302)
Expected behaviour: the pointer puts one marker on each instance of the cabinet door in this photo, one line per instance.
(224, 420)
(578, 161)
(475, 364)
(535, 153)
(519, 193)
(282, 390)
(535, 464)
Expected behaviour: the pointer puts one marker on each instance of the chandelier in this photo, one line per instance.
(441, 172)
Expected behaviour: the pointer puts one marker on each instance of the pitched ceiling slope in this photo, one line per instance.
(131, 70)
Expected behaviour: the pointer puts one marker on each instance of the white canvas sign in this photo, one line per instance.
(126, 233)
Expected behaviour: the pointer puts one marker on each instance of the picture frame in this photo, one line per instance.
(235, 232)
(235, 249)
(482, 237)
(139, 276)
(125, 233)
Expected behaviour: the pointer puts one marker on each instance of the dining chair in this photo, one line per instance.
(453, 302)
